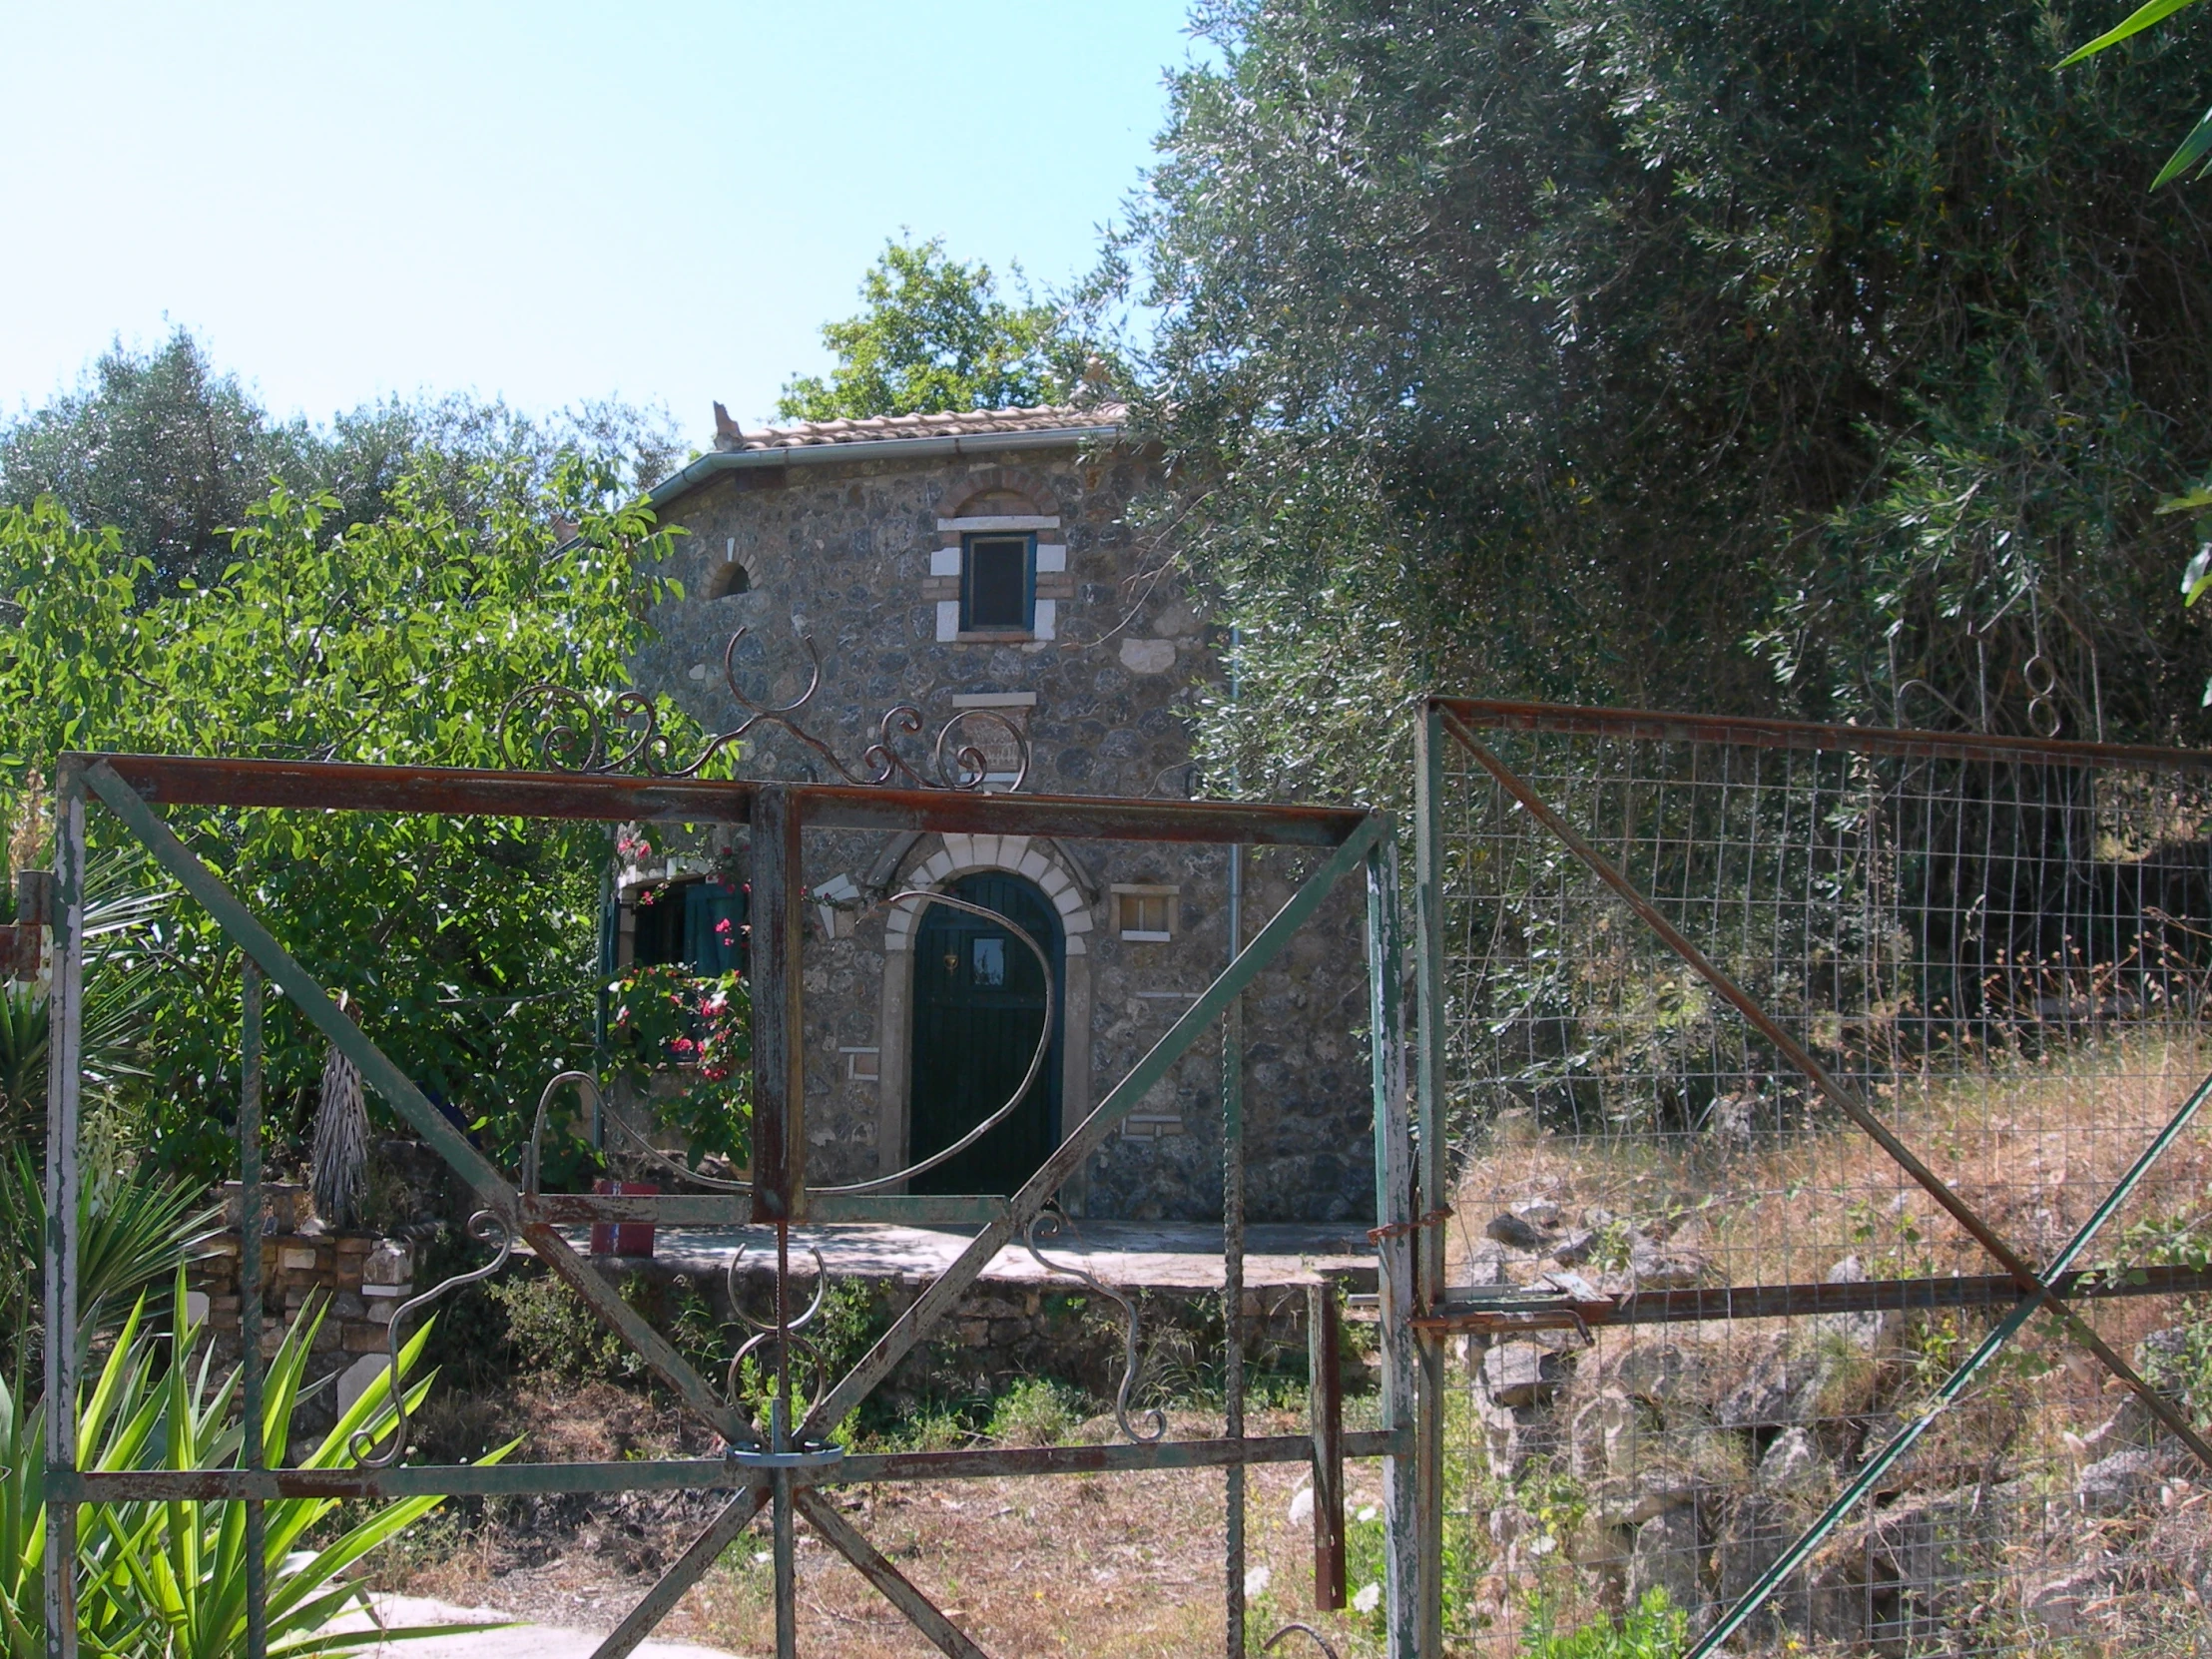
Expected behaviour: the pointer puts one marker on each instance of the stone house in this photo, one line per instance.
(982, 568)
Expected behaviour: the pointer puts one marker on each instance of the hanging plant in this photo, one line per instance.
(697, 1029)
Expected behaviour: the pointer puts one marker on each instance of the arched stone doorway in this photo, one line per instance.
(980, 1006)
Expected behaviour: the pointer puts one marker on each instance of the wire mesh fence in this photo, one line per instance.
(1693, 1305)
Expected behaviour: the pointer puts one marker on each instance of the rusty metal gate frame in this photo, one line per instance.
(1460, 721)
(786, 1476)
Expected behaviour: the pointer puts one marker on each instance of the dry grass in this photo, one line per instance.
(2033, 1145)
(1111, 1566)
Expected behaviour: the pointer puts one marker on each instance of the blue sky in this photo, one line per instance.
(545, 203)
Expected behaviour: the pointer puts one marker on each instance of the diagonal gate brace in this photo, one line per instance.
(2024, 1275)
(939, 1301)
(1900, 1442)
(236, 921)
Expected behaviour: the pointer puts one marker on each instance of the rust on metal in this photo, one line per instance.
(1661, 726)
(333, 786)
(1765, 1302)
(1326, 1408)
(697, 1474)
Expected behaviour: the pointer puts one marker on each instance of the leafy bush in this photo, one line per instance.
(1035, 1412)
(552, 1331)
(1652, 1629)
(668, 1019)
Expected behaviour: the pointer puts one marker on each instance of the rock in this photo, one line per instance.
(1869, 1331)
(1759, 1528)
(1665, 1557)
(1605, 1437)
(1509, 1230)
(2115, 1484)
(1666, 1374)
(388, 1262)
(1538, 1212)
(1596, 1217)
(2158, 1353)
(1574, 1250)
(1653, 1491)
(2131, 1424)
(1486, 1265)
(1768, 1396)
(1656, 1267)
(1521, 1373)
(1517, 1437)
(2059, 1605)
(1792, 1463)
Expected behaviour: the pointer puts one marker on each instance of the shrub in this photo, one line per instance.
(1034, 1411)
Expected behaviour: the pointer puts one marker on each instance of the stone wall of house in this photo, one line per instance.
(845, 552)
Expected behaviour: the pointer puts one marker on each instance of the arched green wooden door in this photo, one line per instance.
(980, 1004)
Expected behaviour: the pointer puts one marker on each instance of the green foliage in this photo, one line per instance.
(121, 916)
(466, 946)
(1651, 1629)
(2193, 147)
(134, 1226)
(1035, 1410)
(552, 1331)
(172, 453)
(1828, 359)
(935, 335)
(669, 1020)
(171, 1577)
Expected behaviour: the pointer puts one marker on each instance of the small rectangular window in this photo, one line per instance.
(1145, 915)
(996, 585)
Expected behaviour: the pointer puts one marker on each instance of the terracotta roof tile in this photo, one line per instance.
(1049, 417)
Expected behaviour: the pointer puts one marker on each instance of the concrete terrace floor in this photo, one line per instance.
(1162, 1256)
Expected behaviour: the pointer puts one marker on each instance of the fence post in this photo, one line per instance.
(1393, 1206)
(779, 1054)
(65, 1030)
(1434, 1159)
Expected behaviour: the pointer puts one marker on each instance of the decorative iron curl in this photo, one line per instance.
(1156, 1417)
(767, 1328)
(483, 1226)
(1320, 1640)
(792, 1347)
(574, 734)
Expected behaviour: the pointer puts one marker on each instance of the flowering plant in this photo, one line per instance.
(668, 1022)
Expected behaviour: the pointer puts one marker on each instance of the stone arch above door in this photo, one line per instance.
(1039, 862)
(1072, 895)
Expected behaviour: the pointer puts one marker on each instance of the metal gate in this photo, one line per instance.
(1830, 1199)
(782, 1465)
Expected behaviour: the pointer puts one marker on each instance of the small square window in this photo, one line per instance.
(998, 584)
(988, 963)
(1145, 915)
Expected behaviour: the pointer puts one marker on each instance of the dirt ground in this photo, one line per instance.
(1117, 1565)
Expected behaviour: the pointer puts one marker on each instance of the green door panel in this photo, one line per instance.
(980, 1004)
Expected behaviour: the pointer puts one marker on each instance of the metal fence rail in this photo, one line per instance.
(1823, 1108)
(777, 1464)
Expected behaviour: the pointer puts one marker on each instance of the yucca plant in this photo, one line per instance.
(134, 1226)
(170, 1578)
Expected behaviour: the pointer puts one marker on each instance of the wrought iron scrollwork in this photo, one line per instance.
(486, 1227)
(1155, 1419)
(785, 1338)
(568, 731)
(1320, 1640)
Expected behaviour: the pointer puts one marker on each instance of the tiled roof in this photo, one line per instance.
(1049, 417)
